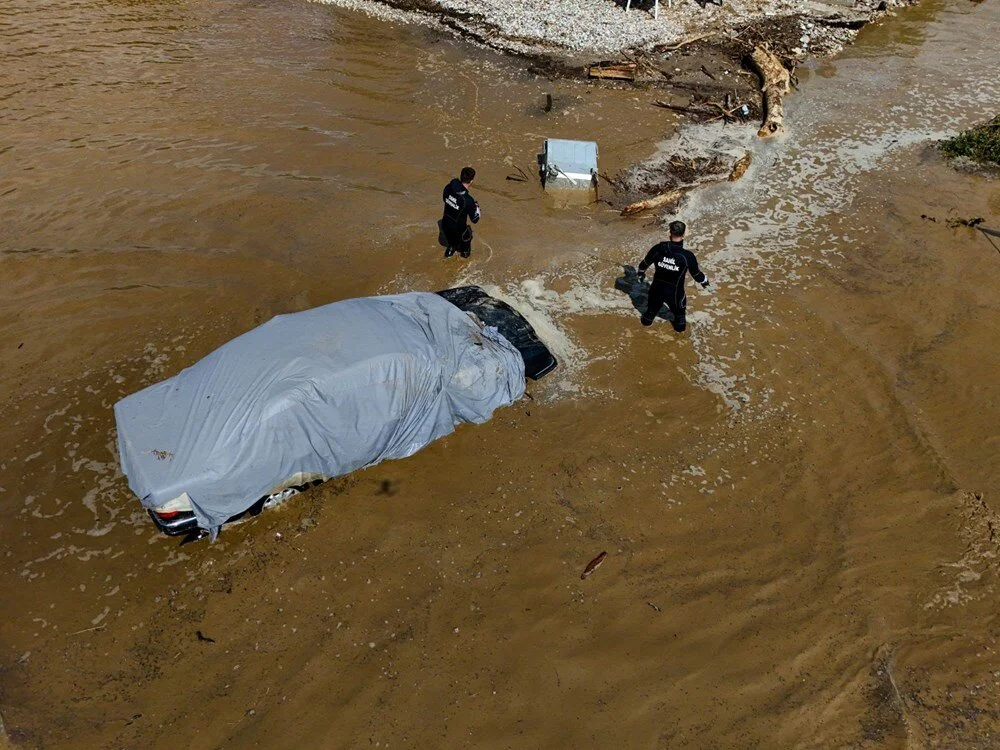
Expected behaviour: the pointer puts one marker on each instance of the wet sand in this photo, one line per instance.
(798, 499)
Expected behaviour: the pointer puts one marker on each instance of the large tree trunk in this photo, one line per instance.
(776, 83)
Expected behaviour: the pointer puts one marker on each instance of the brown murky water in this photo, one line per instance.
(798, 499)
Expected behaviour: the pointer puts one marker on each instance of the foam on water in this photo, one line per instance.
(799, 202)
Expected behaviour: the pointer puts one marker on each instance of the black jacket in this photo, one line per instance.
(671, 262)
(459, 205)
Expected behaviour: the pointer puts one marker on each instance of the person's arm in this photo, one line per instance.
(696, 273)
(649, 260)
(472, 209)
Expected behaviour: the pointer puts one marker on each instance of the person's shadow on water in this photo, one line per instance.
(638, 291)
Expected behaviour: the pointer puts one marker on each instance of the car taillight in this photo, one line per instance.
(166, 515)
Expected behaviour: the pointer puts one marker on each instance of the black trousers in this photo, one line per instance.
(675, 299)
(458, 239)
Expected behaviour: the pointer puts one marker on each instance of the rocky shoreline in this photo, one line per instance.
(571, 32)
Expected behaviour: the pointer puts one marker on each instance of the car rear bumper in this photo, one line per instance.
(181, 523)
(178, 525)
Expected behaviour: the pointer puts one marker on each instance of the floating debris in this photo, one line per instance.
(593, 565)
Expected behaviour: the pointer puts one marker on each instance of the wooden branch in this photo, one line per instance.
(655, 202)
(699, 89)
(776, 83)
(683, 42)
(678, 108)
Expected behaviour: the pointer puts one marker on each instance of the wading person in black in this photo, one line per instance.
(459, 206)
(671, 263)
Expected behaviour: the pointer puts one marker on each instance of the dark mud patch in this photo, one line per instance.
(884, 720)
(958, 713)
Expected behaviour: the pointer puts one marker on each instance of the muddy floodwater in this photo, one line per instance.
(798, 499)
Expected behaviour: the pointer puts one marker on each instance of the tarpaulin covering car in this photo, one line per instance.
(314, 395)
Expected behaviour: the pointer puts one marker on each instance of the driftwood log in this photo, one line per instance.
(615, 71)
(655, 202)
(776, 83)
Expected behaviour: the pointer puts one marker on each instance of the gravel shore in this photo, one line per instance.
(577, 28)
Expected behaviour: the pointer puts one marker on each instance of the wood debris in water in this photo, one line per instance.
(740, 167)
(593, 565)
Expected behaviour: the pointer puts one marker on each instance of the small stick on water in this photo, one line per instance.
(89, 630)
(654, 607)
(593, 565)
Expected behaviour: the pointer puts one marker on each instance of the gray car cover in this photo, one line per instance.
(320, 392)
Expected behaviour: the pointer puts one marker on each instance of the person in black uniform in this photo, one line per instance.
(459, 205)
(671, 262)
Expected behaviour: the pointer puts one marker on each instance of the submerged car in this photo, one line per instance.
(318, 394)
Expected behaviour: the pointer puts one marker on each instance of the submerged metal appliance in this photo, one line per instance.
(568, 164)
